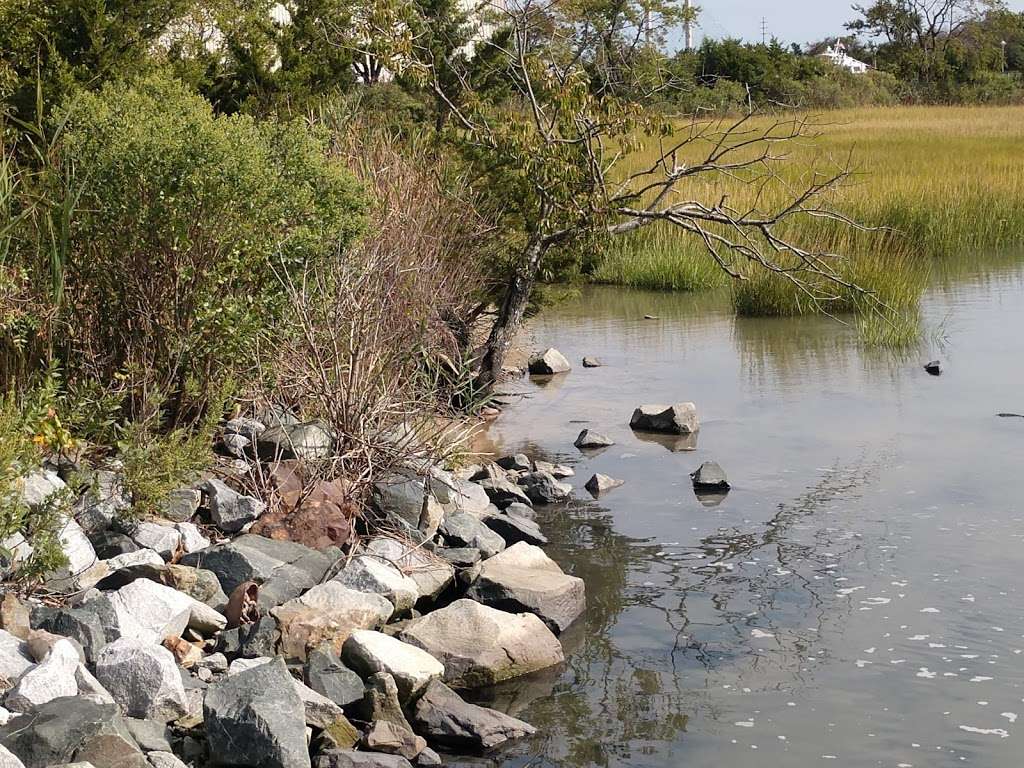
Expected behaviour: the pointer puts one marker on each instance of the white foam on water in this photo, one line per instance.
(1011, 716)
(1001, 733)
(760, 634)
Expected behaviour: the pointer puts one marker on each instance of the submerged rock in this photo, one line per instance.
(678, 419)
(548, 363)
(710, 477)
(592, 362)
(933, 367)
(446, 719)
(480, 646)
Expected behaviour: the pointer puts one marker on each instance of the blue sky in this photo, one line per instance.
(792, 21)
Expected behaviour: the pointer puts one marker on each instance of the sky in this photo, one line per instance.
(792, 21)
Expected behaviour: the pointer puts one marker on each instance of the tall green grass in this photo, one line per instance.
(946, 180)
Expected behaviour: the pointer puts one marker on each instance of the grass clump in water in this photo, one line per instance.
(657, 259)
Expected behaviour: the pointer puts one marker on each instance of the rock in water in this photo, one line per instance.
(73, 729)
(368, 652)
(523, 578)
(591, 362)
(480, 646)
(678, 419)
(599, 484)
(933, 367)
(446, 719)
(589, 439)
(542, 488)
(256, 718)
(548, 363)
(143, 679)
(710, 477)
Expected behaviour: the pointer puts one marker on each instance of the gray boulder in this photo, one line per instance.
(143, 679)
(678, 419)
(162, 538)
(503, 492)
(108, 544)
(326, 675)
(309, 441)
(181, 504)
(81, 569)
(442, 716)
(521, 510)
(245, 427)
(480, 646)
(467, 497)
(407, 501)
(283, 569)
(165, 759)
(462, 530)
(103, 501)
(460, 557)
(74, 729)
(132, 559)
(592, 362)
(518, 462)
(369, 652)
(599, 484)
(192, 539)
(365, 573)
(514, 529)
(542, 488)
(588, 439)
(710, 477)
(548, 363)
(523, 578)
(256, 718)
(431, 574)
(229, 510)
(557, 471)
(86, 624)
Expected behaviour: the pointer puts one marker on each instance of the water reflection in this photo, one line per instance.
(827, 606)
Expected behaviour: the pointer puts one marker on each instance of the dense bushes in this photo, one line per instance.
(183, 224)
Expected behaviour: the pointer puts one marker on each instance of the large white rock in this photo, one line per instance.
(524, 579)
(369, 652)
(8, 759)
(371, 574)
(143, 679)
(52, 678)
(163, 539)
(90, 686)
(15, 659)
(147, 611)
(481, 646)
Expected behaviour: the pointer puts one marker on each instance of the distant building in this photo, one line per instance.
(837, 55)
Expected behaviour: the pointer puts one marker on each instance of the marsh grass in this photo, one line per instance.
(945, 180)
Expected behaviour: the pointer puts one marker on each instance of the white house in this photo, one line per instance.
(837, 55)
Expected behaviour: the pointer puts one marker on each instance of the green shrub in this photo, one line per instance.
(185, 223)
(29, 427)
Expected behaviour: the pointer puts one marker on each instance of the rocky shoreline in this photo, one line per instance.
(193, 639)
(296, 634)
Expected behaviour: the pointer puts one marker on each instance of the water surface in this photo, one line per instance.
(855, 600)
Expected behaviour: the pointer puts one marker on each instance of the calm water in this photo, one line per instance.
(855, 600)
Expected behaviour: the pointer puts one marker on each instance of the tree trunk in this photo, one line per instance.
(510, 314)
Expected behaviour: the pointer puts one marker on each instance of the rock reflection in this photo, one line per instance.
(671, 443)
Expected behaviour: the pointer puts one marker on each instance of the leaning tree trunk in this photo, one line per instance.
(510, 313)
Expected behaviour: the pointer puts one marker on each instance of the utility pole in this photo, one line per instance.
(688, 24)
(764, 30)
